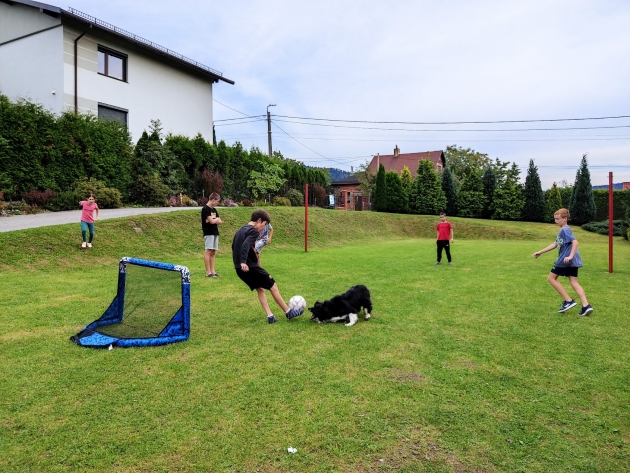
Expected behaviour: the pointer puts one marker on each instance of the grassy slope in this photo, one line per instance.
(461, 369)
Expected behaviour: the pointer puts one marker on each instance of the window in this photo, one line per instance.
(112, 64)
(108, 112)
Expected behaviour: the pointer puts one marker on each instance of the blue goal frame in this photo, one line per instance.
(177, 329)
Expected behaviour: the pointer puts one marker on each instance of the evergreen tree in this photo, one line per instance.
(508, 201)
(552, 203)
(406, 178)
(470, 198)
(396, 194)
(448, 186)
(489, 180)
(582, 207)
(534, 208)
(380, 191)
(428, 196)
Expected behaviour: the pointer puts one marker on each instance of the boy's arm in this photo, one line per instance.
(545, 250)
(574, 247)
(452, 235)
(270, 235)
(249, 241)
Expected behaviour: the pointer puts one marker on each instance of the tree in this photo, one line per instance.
(448, 186)
(552, 203)
(489, 180)
(269, 180)
(397, 199)
(470, 198)
(406, 178)
(212, 182)
(508, 201)
(461, 161)
(534, 208)
(380, 191)
(428, 197)
(582, 207)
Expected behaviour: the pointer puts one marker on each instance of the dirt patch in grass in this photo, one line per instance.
(402, 376)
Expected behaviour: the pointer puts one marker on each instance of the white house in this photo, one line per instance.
(67, 60)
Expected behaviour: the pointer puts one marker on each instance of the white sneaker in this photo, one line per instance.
(84, 245)
(89, 245)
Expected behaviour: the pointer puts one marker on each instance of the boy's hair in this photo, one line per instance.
(214, 196)
(442, 214)
(262, 215)
(564, 213)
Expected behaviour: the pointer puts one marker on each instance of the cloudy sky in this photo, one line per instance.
(419, 62)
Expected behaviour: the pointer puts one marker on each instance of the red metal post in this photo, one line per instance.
(306, 218)
(610, 222)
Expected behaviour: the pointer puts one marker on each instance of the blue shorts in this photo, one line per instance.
(565, 271)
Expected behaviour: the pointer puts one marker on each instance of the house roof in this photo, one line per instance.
(396, 163)
(347, 181)
(95, 23)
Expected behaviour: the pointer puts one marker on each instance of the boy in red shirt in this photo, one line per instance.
(444, 237)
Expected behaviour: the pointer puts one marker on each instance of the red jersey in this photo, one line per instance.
(444, 230)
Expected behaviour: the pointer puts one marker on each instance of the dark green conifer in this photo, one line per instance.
(534, 208)
(582, 206)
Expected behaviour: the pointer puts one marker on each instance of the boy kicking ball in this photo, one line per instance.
(247, 267)
(567, 264)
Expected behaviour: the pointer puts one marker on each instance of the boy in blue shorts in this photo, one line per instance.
(249, 271)
(567, 264)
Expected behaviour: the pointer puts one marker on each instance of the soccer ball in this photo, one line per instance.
(297, 302)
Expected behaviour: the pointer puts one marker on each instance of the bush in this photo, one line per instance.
(296, 197)
(68, 200)
(202, 201)
(247, 203)
(1, 195)
(39, 198)
(281, 201)
(182, 200)
(148, 190)
(619, 227)
(108, 198)
(229, 203)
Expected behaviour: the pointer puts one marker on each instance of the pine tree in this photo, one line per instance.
(470, 198)
(508, 201)
(429, 198)
(396, 194)
(448, 186)
(534, 208)
(406, 178)
(552, 203)
(489, 180)
(582, 207)
(380, 191)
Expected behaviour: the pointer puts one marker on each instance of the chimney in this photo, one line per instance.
(396, 152)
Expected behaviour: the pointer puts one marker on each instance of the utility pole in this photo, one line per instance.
(269, 127)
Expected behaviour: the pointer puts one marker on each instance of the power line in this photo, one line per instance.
(239, 118)
(215, 100)
(241, 123)
(458, 122)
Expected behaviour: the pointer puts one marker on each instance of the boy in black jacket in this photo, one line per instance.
(247, 268)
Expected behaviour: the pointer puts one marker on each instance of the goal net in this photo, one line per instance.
(151, 307)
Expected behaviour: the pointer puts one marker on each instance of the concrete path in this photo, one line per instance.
(22, 222)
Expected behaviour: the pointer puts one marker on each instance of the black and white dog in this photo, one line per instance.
(344, 307)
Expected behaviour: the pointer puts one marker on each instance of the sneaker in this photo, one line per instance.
(566, 306)
(586, 310)
(292, 313)
(215, 275)
(89, 245)
(450, 263)
(271, 319)
(84, 245)
(437, 263)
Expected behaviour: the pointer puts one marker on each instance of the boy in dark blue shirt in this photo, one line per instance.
(567, 264)
(248, 270)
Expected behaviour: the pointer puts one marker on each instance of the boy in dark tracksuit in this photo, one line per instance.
(247, 268)
(443, 238)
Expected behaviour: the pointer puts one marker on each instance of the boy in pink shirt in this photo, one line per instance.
(87, 219)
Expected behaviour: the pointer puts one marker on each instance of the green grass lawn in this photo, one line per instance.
(462, 368)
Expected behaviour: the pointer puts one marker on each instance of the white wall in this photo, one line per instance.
(182, 102)
(31, 67)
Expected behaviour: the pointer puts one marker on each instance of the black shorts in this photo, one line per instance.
(256, 278)
(565, 271)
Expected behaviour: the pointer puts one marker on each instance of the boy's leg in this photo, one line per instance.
(262, 297)
(557, 285)
(275, 293)
(206, 260)
(439, 251)
(211, 261)
(578, 289)
(447, 247)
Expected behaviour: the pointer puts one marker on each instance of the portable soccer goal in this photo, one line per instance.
(151, 307)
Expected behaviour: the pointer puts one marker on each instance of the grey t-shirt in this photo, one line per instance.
(564, 239)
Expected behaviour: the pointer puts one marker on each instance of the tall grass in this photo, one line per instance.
(462, 368)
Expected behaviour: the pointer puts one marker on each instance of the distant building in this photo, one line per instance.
(349, 196)
(397, 161)
(625, 186)
(68, 60)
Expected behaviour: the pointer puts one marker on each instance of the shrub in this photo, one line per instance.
(68, 200)
(229, 203)
(181, 200)
(247, 203)
(39, 198)
(1, 195)
(202, 201)
(619, 228)
(281, 201)
(148, 190)
(108, 198)
(318, 195)
(296, 197)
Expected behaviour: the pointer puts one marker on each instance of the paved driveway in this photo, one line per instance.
(22, 222)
